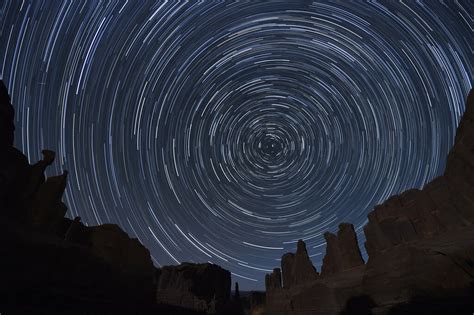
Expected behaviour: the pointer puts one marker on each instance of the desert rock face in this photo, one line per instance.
(297, 268)
(342, 251)
(445, 204)
(420, 246)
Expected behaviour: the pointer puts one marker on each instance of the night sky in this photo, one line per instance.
(225, 132)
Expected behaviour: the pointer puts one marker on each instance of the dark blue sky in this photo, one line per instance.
(225, 132)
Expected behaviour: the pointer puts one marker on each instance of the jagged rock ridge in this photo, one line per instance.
(51, 264)
(420, 246)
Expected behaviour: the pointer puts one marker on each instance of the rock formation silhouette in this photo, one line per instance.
(237, 292)
(342, 251)
(297, 268)
(420, 247)
(7, 127)
(53, 265)
(273, 280)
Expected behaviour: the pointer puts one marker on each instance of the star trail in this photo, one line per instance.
(224, 132)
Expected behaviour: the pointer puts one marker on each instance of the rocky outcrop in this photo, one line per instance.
(425, 237)
(202, 287)
(444, 204)
(53, 265)
(325, 294)
(37, 177)
(25, 195)
(14, 166)
(460, 163)
(273, 280)
(342, 251)
(297, 268)
(420, 246)
(417, 214)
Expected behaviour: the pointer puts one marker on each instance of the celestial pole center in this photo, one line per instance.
(224, 132)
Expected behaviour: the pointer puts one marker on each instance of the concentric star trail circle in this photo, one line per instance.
(225, 132)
